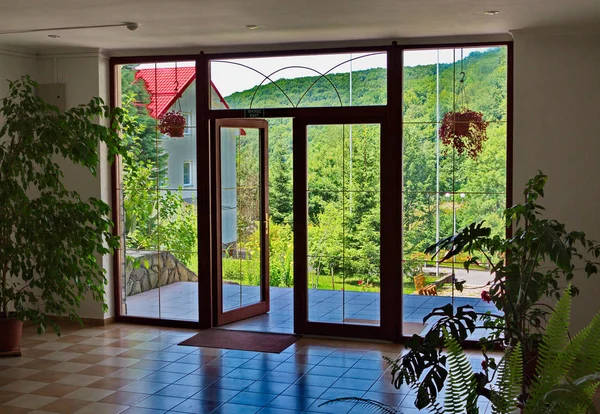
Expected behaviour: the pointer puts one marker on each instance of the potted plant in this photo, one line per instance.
(50, 237)
(528, 267)
(172, 123)
(465, 131)
(544, 370)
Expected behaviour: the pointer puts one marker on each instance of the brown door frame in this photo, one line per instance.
(389, 321)
(223, 318)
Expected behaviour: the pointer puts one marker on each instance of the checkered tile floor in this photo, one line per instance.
(137, 369)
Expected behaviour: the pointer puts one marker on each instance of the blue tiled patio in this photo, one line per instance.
(180, 301)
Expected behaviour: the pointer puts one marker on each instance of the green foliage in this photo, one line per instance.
(461, 386)
(566, 375)
(147, 144)
(50, 238)
(157, 219)
(510, 381)
(528, 268)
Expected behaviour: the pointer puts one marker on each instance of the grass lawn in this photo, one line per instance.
(350, 283)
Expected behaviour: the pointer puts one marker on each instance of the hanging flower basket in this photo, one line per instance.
(465, 131)
(173, 124)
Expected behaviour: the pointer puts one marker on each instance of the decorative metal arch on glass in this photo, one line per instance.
(244, 83)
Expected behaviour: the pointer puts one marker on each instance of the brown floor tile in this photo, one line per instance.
(80, 348)
(47, 376)
(7, 396)
(56, 390)
(110, 383)
(124, 398)
(73, 339)
(65, 406)
(99, 370)
(135, 353)
(15, 410)
(4, 381)
(31, 401)
(35, 353)
(29, 342)
(115, 333)
(125, 343)
(89, 359)
(18, 373)
(40, 364)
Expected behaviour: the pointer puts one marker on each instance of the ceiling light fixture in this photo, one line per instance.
(129, 25)
(53, 36)
(491, 12)
(251, 26)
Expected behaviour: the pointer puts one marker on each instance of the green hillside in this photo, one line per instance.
(345, 224)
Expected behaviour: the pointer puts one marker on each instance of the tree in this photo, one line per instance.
(149, 148)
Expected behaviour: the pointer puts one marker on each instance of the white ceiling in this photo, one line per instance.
(205, 23)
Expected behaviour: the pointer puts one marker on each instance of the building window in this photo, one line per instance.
(188, 122)
(187, 173)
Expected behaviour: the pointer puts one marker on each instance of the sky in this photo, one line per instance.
(230, 76)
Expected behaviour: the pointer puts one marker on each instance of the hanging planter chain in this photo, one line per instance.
(464, 130)
(173, 123)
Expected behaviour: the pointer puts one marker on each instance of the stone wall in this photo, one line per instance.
(163, 269)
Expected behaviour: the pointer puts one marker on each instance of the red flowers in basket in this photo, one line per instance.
(172, 123)
(464, 130)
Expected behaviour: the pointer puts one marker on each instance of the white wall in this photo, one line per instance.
(85, 75)
(556, 130)
(13, 65)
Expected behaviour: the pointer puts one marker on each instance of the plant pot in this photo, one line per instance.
(11, 330)
(461, 128)
(176, 131)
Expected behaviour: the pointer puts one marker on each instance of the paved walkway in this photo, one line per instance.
(179, 301)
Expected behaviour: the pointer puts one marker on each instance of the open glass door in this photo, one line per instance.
(242, 287)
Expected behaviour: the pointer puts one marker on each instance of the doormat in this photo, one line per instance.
(241, 340)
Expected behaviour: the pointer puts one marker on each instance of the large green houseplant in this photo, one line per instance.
(50, 238)
(529, 268)
(544, 370)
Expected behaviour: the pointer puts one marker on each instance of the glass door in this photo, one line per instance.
(341, 269)
(242, 287)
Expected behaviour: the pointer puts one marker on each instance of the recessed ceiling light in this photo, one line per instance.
(491, 12)
(53, 36)
(252, 26)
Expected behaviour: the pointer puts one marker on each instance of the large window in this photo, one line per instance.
(357, 181)
(443, 189)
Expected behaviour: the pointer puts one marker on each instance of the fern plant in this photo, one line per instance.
(567, 373)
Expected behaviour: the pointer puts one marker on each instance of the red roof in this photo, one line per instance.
(166, 85)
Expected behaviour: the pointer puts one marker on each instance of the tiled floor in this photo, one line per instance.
(180, 301)
(135, 369)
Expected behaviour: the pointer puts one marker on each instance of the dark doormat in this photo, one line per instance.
(241, 340)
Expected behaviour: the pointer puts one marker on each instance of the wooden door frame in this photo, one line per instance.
(244, 312)
(389, 284)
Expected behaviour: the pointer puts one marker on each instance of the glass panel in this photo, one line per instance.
(159, 218)
(344, 226)
(140, 289)
(346, 79)
(443, 191)
(240, 217)
(178, 276)
(432, 83)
